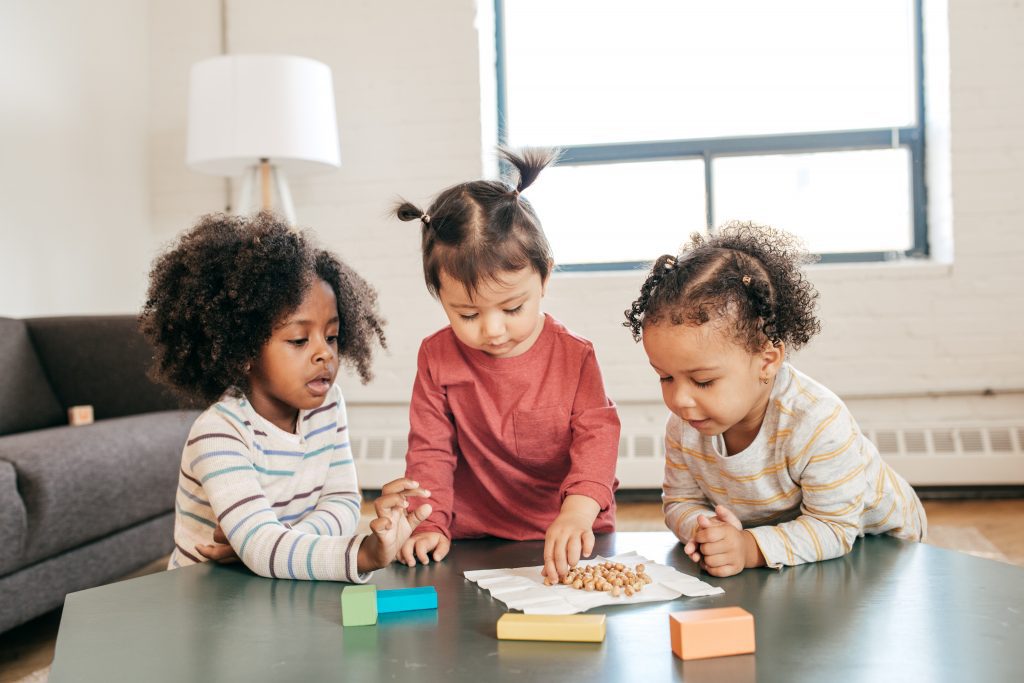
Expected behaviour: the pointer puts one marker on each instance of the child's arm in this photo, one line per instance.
(831, 469)
(336, 509)
(217, 458)
(430, 461)
(683, 501)
(587, 489)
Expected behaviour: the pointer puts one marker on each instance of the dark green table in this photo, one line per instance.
(887, 611)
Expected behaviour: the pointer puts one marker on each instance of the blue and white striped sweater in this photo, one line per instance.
(289, 504)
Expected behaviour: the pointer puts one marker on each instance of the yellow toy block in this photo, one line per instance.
(582, 628)
(717, 632)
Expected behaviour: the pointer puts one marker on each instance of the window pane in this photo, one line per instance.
(597, 71)
(619, 212)
(835, 201)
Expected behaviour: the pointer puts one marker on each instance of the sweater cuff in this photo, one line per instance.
(352, 574)
(600, 493)
(768, 543)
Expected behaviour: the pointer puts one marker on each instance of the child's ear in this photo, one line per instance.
(772, 358)
(547, 278)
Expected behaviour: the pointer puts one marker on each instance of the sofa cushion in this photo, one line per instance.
(26, 399)
(99, 360)
(12, 520)
(82, 483)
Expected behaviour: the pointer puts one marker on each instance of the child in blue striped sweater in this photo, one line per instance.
(246, 314)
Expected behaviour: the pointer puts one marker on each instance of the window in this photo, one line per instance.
(678, 115)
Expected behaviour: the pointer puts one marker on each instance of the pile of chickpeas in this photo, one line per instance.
(613, 577)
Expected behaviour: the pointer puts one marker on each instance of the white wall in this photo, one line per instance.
(74, 182)
(407, 84)
(408, 80)
(414, 108)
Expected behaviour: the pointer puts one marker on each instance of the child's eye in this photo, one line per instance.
(664, 380)
(703, 385)
(332, 339)
(514, 311)
(471, 316)
(297, 342)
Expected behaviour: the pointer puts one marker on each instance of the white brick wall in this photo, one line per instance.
(415, 111)
(408, 79)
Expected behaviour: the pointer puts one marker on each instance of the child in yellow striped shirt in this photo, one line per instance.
(764, 466)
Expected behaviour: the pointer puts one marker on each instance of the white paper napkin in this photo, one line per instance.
(523, 588)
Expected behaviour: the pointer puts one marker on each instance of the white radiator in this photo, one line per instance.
(977, 453)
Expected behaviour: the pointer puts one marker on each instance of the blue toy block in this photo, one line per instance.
(406, 599)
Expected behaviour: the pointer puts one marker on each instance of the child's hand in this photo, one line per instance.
(571, 533)
(724, 546)
(420, 545)
(722, 514)
(220, 552)
(568, 536)
(393, 525)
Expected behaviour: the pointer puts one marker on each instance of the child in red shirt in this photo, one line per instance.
(510, 426)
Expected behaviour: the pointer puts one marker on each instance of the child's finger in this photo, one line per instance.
(443, 544)
(217, 553)
(218, 535)
(690, 548)
(715, 548)
(588, 543)
(572, 553)
(384, 504)
(424, 546)
(728, 516)
(560, 551)
(399, 485)
(419, 514)
(724, 570)
(380, 525)
(549, 559)
(709, 535)
(406, 553)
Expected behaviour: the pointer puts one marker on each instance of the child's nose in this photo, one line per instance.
(494, 326)
(323, 351)
(682, 398)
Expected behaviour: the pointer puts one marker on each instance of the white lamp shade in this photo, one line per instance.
(243, 108)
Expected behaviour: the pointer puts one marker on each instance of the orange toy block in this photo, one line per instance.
(80, 415)
(701, 633)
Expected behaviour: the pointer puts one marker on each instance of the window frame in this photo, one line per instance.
(911, 138)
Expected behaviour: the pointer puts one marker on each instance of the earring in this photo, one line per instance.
(765, 380)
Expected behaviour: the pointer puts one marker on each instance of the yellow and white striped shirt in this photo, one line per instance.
(807, 486)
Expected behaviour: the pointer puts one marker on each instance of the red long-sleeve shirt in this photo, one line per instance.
(500, 442)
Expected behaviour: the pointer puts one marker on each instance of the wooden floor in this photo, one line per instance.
(993, 529)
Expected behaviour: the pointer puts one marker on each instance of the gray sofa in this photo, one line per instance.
(81, 506)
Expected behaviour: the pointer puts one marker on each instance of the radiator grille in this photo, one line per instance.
(971, 453)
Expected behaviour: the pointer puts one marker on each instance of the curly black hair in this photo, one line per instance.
(216, 294)
(748, 272)
(477, 229)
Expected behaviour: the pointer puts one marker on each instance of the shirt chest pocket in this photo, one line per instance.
(542, 435)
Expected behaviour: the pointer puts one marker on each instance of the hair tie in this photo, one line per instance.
(515, 193)
(670, 263)
(425, 218)
(746, 279)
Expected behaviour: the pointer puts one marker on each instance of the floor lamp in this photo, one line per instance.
(262, 117)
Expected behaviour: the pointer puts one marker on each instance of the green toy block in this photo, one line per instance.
(359, 605)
